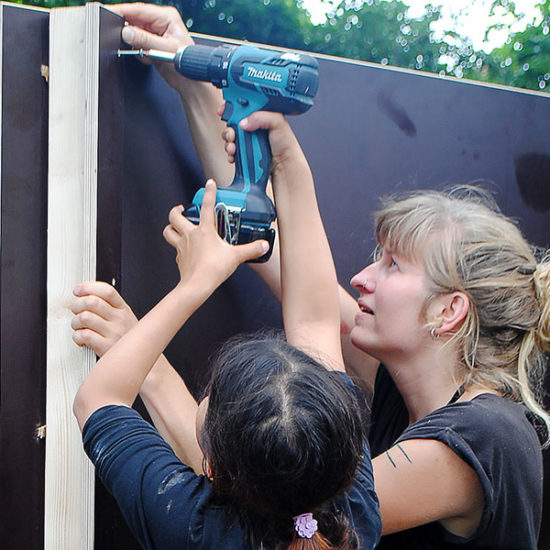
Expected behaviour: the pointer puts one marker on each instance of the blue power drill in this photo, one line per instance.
(252, 79)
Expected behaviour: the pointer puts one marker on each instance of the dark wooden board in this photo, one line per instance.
(23, 191)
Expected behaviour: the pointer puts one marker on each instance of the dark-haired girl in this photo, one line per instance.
(286, 464)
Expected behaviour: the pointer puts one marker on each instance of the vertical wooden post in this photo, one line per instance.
(72, 215)
(84, 241)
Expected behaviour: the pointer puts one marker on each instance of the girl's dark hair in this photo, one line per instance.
(283, 436)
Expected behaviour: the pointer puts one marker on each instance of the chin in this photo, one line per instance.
(365, 344)
(357, 340)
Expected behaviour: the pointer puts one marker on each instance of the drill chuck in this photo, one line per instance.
(204, 63)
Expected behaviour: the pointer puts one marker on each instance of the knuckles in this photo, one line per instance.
(90, 302)
(173, 12)
(83, 337)
(166, 233)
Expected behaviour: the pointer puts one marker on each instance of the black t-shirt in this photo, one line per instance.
(495, 437)
(168, 507)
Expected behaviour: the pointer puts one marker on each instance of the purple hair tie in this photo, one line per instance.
(305, 525)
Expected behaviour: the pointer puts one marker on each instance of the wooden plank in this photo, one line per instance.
(86, 141)
(69, 495)
(108, 520)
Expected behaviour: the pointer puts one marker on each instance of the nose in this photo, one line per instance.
(363, 282)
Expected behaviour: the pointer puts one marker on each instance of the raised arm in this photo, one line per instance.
(101, 318)
(161, 27)
(309, 291)
(204, 262)
(357, 363)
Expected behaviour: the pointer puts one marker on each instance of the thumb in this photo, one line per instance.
(251, 251)
(265, 120)
(128, 34)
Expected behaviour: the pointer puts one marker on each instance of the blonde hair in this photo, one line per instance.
(466, 244)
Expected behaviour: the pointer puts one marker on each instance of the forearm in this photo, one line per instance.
(303, 241)
(308, 278)
(173, 410)
(201, 101)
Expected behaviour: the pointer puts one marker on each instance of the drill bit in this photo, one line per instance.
(152, 54)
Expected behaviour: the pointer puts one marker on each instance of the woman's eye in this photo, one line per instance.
(393, 263)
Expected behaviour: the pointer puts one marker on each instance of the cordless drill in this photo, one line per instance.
(252, 79)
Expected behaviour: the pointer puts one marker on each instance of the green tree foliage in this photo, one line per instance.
(276, 22)
(524, 60)
(369, 30)
(380, 31)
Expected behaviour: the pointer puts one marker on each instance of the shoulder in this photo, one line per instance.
(495, 438)
(163, 501)
(485, 421)
(114, 431)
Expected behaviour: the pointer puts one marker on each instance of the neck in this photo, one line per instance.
(425, 381)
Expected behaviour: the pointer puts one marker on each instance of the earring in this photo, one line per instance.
(433, 333)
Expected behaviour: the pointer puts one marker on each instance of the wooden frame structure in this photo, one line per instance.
(119, 155)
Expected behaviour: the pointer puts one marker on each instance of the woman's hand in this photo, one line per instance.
(149, 26)
(155, 27)
(203, 258)
(101, 316)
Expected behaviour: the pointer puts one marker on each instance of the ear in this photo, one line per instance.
(449, 311)
(208, 470)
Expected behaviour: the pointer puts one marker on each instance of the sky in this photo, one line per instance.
(473, 18)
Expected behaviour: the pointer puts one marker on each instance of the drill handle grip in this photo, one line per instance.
(252, 159)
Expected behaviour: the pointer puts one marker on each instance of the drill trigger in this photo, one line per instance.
(228, 111)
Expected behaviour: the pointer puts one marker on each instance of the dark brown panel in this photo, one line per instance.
(110, 150)
(110, 529)
(373, 130)
(23, 275)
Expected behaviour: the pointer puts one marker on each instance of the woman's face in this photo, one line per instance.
(392, 299)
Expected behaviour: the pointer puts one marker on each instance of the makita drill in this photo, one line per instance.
(252, 79)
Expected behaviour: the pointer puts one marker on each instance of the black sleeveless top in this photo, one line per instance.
(495, 437)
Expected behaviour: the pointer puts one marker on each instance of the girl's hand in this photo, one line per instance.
(203, 257)
(101, 316)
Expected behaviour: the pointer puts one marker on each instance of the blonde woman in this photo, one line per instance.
(449, 328)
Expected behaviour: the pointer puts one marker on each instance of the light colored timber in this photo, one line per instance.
(72, 217)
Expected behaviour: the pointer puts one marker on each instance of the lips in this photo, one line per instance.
(365, 309)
